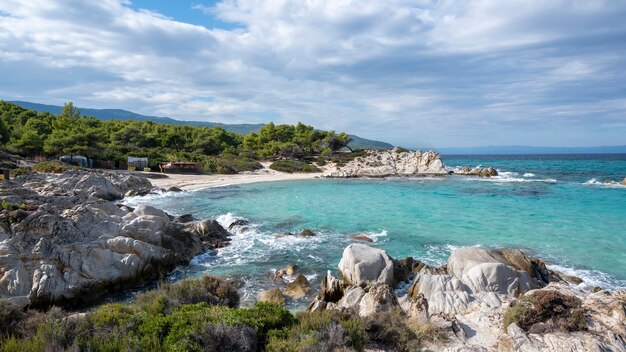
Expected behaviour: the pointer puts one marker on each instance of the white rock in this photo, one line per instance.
(361, 263)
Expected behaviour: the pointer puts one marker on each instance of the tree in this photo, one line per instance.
(30, 143)
(5, 133)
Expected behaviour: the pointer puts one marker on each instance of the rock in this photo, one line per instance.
(210, 232)
(298, 288)
(403, 270)
(623, 182)
(72, 245)
(272, 296)
(352, 298)
(332, 289)
(364, 264)
(362, 237)
(174, 189)
(417, 307)
(307, 233)
(477, 171)
(240, 223)
(289, 270)
(486, 270)
(445, 294)
(564, 277)
(378, 298)
(395, 162)
(183, 219)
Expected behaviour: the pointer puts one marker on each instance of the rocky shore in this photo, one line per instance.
(483, 299)
(394, 162)
(64, 240)
(399, 162)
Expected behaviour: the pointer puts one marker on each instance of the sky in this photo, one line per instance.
(441, 73)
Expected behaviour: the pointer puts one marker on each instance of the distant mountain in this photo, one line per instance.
(517, 149)
(119, 114)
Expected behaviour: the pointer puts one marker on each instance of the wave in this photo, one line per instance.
(528, 174)
(591, 278)
(595, 182)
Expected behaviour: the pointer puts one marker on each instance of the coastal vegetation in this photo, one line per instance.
(202, 315)
(28, 133)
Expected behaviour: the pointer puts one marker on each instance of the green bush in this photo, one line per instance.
(228, 165)
(319, 331)
(10, 316)
(291, 166)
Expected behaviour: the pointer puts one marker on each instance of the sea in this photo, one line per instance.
(554, 207)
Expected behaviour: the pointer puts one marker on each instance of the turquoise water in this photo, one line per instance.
(547, 205)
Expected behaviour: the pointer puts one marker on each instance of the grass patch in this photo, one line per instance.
(291, 166)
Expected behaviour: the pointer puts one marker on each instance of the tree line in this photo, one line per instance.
(29, 133)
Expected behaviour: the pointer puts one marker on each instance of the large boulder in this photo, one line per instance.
(487, 270)
(364, 264)
(298, 288)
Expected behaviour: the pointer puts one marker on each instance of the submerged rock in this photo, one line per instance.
(395, 162)
(362, 237)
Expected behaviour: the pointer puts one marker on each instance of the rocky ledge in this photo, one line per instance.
(394, 162)
(485, 300)
(63, 240)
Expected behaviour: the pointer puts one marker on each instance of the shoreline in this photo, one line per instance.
(199, 182)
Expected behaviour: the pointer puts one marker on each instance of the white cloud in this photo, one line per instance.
(409, 71)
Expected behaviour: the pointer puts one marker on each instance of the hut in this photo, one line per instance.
(180, 167)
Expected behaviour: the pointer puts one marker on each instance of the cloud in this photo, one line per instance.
(413, 72)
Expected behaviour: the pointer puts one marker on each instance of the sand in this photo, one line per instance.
(196, 182)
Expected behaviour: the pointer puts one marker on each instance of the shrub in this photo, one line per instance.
(291, 166)
(341, 159)
(320, 331)
(10, 316)
(391, 328)
(52, 167)
(229, 165)
(227, 338)
(20, 171)
(558, 311)
(208, 289)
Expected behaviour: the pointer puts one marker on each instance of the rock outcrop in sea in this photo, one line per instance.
(475, 171)
(394, 162)
(63, 240)
(486, 299)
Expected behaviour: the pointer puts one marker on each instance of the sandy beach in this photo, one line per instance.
(196, 182)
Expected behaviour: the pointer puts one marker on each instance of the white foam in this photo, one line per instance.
(595, 182)
(591, 278)
(528, 174)
(505, 178)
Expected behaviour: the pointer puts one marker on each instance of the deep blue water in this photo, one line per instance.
(553, 206)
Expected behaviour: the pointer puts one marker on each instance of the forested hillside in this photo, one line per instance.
(29, 133)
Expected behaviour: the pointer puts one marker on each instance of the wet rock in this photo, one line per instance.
(272, 296)
(289, 270)
(241, 223)
(299, 288)
(183, 219)
(307, 233)
(174, 189)
(362, 237)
